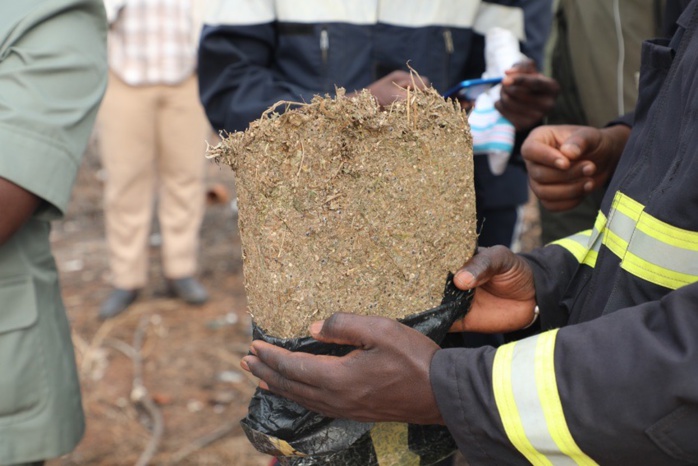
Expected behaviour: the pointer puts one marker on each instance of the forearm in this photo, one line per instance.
(616, 136)
(16, 206)
(578, 393)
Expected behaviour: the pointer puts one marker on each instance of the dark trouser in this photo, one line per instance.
(497, 226)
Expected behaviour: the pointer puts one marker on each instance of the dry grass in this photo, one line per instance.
(346, 207)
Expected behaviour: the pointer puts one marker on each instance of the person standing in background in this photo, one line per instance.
(53, 72)
(594, 53)
(152, 133)
(256, 53)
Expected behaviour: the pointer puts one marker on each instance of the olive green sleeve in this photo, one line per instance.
(53, 69)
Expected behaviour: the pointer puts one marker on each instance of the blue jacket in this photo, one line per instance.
(254, 53)
(613, 378)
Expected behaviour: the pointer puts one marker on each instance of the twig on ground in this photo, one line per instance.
(90, 352)
(139, 393)
(204, 441)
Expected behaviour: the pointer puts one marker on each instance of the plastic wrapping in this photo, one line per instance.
(299, 437)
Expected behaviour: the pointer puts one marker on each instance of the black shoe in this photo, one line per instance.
(188, 290)
(117, 302)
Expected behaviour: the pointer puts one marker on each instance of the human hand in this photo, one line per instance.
(527, 96)
(394, 86)
(385, 379)
(17, 205)
(566, 162)
(504, 298)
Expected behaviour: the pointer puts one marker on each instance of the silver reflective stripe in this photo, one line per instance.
(649, 248)
(618, 232)
(526, 394)
(576, 244)
(528, 401)
(679, 260)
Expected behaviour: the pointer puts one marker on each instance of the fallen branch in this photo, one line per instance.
(139, 393)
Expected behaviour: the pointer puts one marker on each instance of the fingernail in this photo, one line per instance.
(572, 149)
(466, 279)
(588, 186)
(588, 169)
(253, 350)
(244, 365)
(561, 164)
(316, 327)
(263, 385)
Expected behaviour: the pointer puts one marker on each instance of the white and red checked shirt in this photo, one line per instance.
(150, 41)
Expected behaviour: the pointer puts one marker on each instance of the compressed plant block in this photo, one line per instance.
(345, 207)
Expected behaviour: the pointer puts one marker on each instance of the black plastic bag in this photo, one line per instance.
(299, 437)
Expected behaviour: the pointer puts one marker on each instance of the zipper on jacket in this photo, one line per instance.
(448, 41)
(448, 44)
(325, 52)
(324, 45)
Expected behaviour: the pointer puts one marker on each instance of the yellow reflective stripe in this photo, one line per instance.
(627, 206)
(590, 258)
(391, 444)
(615, 243)
(575, 247)
(599, 223)
(668, 234)
(526, 395)
(506, 405)
(578, 245)
(655, 274)
(649, 248)
(595, 241)
(546, 381)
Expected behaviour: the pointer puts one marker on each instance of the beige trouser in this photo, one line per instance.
(152, 140)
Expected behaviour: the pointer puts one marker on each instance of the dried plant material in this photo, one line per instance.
(345, 207)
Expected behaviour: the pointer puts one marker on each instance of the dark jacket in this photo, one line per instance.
(620, 386)
(251, 58)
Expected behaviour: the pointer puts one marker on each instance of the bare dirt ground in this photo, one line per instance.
(189, 356)
(186, 357)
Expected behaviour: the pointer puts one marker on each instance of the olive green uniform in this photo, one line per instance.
(52, 78)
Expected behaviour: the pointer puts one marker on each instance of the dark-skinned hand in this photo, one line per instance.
(567, 162)
(385, 379)
(16, 206)
(394, 86)
(504, 292)
(526, 96)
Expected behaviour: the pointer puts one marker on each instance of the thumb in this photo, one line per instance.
(580, 143)
(485, 264)
(347, 329)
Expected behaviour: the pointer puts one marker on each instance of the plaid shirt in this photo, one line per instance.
(150, 42)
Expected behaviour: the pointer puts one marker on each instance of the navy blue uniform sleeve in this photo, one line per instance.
(553, 266)
(237, 78)
(619, 389)
(538, 19)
